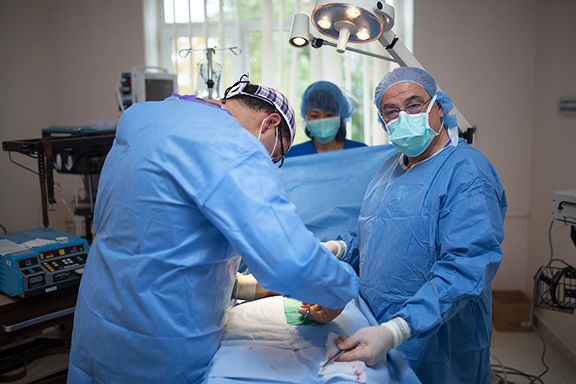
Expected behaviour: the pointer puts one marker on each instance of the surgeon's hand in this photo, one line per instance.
(319, 313)
(368, 344)
(337, 247)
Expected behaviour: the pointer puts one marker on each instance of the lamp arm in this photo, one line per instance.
(317, 43)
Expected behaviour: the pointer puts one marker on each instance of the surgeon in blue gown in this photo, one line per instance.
(325, 110)
(186, 190)
(427, 242)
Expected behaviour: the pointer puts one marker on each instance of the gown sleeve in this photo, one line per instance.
(352, 256)
(249, 207)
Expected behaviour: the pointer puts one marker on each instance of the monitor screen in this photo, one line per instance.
(158, 89)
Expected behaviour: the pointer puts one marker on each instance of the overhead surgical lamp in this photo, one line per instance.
(359, 21)
(300, 37)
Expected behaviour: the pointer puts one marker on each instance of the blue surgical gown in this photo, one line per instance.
(428, 246)
(308, 148)
(184, 192)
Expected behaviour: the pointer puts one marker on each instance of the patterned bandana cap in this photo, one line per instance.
(267, 94)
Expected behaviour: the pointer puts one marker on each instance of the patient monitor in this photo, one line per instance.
(145, 84)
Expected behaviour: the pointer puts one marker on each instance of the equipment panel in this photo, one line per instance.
(40, 261)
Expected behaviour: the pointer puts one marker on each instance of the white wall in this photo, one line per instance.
(60, 63)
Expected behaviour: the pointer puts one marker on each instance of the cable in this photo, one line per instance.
(65, 204)
(503, 380)
(516, 372)
(534, 294)
(513, 371)
(67, 208)
(4, 228)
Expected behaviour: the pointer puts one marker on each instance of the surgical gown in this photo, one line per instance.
(184, 191)
(428, 246)
(308, 148)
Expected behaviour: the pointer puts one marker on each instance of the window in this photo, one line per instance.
(260, 29)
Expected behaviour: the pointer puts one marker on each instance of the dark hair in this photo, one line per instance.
(261, 105)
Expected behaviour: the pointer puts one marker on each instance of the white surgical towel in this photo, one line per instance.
(352, 370)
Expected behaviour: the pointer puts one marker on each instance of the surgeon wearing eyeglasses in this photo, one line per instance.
(427, 243)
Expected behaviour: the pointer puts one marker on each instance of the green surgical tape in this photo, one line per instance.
(291, 307)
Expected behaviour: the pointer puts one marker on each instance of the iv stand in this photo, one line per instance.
(209, 52)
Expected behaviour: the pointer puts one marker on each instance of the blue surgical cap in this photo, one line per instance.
(328, 97)
(423, 79)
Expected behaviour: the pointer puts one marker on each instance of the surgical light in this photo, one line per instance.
(300, 31)
(324, 23)
(361, 22)
(363, 34)
(299, 41)
(353, 12)
(300, 36)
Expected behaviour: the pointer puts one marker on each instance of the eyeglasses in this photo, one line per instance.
(280, 158)
(411, 109)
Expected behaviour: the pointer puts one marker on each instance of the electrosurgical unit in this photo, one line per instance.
(41, 260)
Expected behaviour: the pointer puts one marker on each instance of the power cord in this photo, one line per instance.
(513, 371)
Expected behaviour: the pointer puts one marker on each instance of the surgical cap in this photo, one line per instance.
(270, 95)
(423, 79)
(328, 97)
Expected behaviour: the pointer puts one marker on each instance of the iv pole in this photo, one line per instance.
(209, 52)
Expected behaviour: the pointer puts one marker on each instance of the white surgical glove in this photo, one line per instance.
(370, 344)
(337, 247)
(400, 330)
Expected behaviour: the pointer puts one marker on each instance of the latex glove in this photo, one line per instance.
(319, 313)
(337, 247)
(368, 344)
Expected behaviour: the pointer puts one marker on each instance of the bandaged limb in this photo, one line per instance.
(244, 287)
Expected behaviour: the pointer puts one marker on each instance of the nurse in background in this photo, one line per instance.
(325, 110)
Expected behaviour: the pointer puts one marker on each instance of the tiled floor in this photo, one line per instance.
(523, 351)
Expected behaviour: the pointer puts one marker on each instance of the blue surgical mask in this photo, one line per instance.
(324, 130)
(412, 134)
